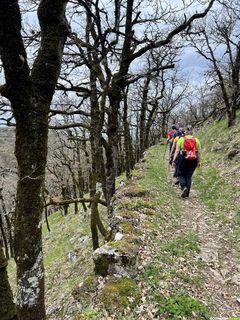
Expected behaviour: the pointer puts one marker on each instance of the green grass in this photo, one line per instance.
(213, 189)
(61, 274)
(236, 232)
(181, 305)
(181, 245)
(89, 313)
(171, 248)
(156, 179)
(173, 261)
(216, 180)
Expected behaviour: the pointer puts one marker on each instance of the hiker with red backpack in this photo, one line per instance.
(188, 147)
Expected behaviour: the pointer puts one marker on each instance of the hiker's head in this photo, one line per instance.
(174, 127)
(180, 132)
(189, 129)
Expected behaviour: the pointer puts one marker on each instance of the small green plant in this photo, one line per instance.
(89, 313)
(136, 204)
(236, 233)
(182, 245)
(120, 293)
(152, 274)
(181, 305)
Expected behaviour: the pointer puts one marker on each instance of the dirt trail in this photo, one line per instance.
(222, 265)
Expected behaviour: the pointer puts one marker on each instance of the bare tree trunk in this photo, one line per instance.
(80, 179)
(129, 162)
(112, 152)
(96, 153)
(4, 237)
(137, 141)
(164, 125)
(143, 115)
(94, 214)
(30, 98)
(75, 196)
(235, 104)
(150, 120)
(7, 307)
(8, 225)
(65, 197)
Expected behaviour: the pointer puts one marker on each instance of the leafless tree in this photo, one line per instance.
(30, 95)
(219, 43)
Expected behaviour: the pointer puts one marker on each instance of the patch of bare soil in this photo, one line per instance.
(220, 290)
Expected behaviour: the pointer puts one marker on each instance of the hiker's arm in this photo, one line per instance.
(176, 153)
(172, 150)
(199, 158)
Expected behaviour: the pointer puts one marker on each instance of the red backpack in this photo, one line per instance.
(190, 148)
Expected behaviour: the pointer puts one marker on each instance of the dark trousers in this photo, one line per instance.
(178, 161)
(186, 170)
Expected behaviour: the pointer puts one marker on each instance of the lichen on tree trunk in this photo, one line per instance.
(30, 97)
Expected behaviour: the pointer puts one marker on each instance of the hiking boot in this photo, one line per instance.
(176, 183)
(185, 192)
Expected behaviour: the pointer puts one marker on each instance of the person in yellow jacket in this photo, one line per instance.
(188, 154)
(180, 133)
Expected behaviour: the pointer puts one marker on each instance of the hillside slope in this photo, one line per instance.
(188, 264)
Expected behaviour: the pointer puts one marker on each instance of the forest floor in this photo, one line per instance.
(194, 272)
(189, 259)
(220, 281)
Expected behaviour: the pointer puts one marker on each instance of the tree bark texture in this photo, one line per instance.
(7, 306)
(30, 97)
(8, 227)
(143, 116)
(150, 120)
(129, 161)
(97, 118)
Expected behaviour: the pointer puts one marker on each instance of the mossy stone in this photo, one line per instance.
(136, 173)
(84, 292)
(128, 228)
(149, 212)
(116, 293)
(135, 191)
(129, 214)
(124, 247)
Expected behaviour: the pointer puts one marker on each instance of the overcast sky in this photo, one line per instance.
(193, 65)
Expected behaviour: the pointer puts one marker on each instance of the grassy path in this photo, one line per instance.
(188, 266)
(195, 270)
(220, 288)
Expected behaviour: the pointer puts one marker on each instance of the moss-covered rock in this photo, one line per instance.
(125, 247)
(130, 229)
(120, 293)
(85, 290)
(129, 214)
(135, 204)
(233, 151)
(149, 212)
(116, 257)
(103, 258)
(135, 191)
(137, 174)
